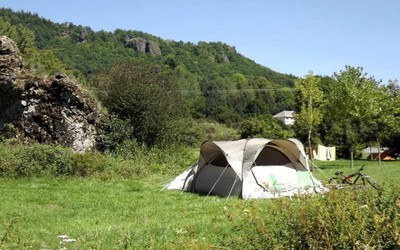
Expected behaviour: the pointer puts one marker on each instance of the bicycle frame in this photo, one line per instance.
(347, 179)
(340, 179)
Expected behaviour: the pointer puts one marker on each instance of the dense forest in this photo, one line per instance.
(176, 85)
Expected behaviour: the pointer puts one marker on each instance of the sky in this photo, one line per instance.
(287, 36)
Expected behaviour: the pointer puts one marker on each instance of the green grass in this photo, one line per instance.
(105, 214)
(132, 213)
(385, 172)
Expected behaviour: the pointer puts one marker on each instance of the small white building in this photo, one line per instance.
(287, 117)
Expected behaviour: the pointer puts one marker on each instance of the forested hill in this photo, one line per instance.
(217, 80)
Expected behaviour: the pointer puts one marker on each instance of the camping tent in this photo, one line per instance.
(252, 168)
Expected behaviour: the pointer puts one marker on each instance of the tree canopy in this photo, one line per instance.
(145, 96)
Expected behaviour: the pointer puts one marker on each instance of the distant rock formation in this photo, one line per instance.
(144, 46)
(152, 48)
(51, 110)
(83, 35)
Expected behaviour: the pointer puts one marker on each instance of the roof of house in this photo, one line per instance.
(285, 114)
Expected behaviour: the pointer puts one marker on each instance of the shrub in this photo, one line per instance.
(145, 96)
(113, 131)
(338, 220)
(164, 160)
(129, 160)
(264, 126)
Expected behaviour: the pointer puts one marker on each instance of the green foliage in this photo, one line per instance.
(146, 97)
(264, 126)
(337, 220)
(45, 160)
(352, 108)
(217, 82)
(8, 131)
(44, 62)
(310, 99)
(216, 131)
(390, 116)
(129, 160)
(113, 132)
(22, 36)
(357, 111)
(151, 160)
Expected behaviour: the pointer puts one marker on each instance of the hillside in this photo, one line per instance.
(219, 83)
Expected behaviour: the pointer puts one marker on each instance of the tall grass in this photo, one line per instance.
(130, 161)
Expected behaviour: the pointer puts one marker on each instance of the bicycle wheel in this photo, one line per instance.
(372, 182)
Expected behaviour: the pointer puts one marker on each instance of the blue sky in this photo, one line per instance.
(288, 36)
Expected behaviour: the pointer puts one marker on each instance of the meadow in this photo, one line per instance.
(129, 210)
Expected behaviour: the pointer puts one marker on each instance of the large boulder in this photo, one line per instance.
(152, 48)
(49, 110)
(138, 44)
(144, 46)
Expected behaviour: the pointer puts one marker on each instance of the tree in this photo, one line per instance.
(147, 97)
(310, 99)
(353, 106)
(22, 36)
(390, 115)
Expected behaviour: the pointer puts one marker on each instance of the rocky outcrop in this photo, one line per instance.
(51, 110)
(152, 48)
(83, 35)
(144, 46)
(138, 44)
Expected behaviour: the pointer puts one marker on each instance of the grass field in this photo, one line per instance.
(125, 213)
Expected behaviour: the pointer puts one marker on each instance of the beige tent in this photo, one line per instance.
(252, 168)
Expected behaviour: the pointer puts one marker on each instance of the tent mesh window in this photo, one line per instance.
(220, 161)
(271, 156)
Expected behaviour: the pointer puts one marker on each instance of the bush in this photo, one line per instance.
(147, 97)
(17, 160)
(113, 132)
(163, 160)
(339, 220)
(129, 160)
(264, 126)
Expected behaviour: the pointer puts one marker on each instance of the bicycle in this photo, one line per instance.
(357, 179)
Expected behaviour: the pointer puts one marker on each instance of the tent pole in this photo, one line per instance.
(233, 185)
(219, 177)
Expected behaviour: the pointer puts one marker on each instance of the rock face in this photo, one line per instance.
(152, 48)
(52, 110)
(143, 45)
(83, 35)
